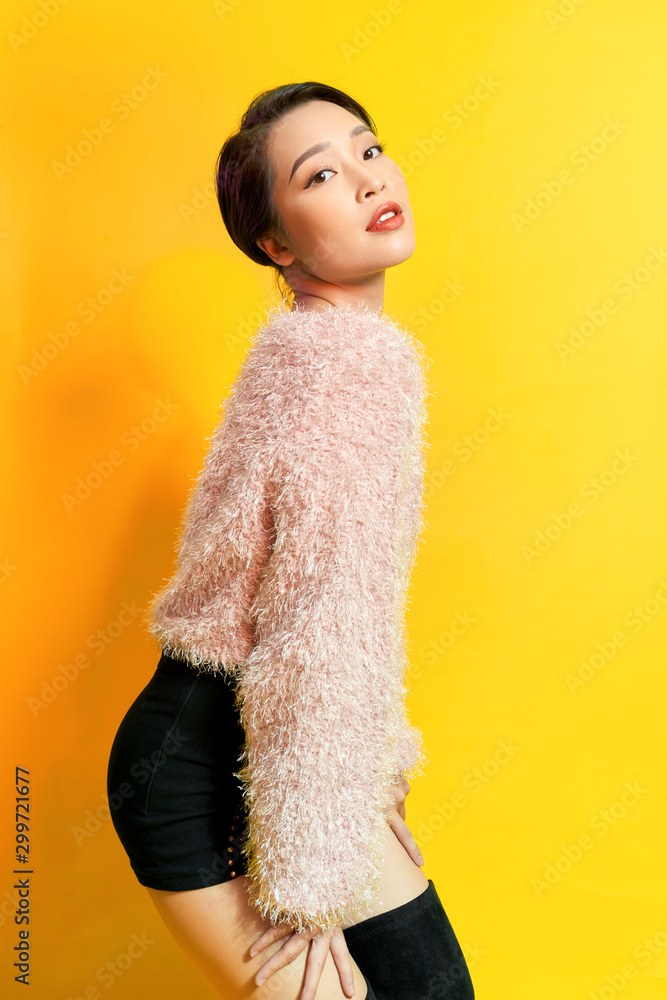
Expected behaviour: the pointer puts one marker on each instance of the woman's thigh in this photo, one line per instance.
(402, 879)
(216, 926)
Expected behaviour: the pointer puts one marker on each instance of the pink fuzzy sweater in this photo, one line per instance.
(294, 559)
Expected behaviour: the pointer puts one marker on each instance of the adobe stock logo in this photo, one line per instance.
(32, 24)
(601, 824)
(122, 106)
(89, 308)
(635, 620)
(565, 9)
(554, 187)
(364, 34)
(596, 487)
(130, 440)
(625, 287)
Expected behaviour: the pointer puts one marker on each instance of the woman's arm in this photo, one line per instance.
(333, 941)
(321, 694)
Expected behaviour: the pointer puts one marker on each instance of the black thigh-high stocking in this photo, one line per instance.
(411, 952)
(371, 992)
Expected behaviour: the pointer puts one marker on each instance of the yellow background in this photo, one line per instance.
(528, 630)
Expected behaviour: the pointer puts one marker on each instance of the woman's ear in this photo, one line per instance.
(278, 251)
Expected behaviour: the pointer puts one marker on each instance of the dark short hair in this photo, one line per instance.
(243, 174)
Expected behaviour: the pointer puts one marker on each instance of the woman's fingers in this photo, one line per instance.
(267, 937)
(317, 956)
(396, 817)
(402, 831)
(400, 790)
(292, 947)
(341, 956)
(318, 944)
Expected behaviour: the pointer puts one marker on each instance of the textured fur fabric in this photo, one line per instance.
(294, 559)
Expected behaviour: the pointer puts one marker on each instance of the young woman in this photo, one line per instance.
(282, 629)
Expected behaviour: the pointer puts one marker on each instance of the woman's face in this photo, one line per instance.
(327, 199)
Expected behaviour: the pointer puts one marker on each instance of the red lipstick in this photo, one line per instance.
(393, 222)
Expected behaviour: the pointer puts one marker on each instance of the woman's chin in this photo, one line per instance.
(396, 255)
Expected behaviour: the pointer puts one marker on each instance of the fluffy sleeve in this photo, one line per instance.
(202, 613)
(321, 696)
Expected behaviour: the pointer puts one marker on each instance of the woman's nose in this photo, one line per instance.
(371, 183)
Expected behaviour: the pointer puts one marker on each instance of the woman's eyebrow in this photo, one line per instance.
(357, 130)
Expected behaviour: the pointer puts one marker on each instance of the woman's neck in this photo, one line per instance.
(311, 293)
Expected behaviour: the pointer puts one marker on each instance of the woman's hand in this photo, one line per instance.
(397, 821)
(319, 944)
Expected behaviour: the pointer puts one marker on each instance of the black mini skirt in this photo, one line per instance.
(175, 802)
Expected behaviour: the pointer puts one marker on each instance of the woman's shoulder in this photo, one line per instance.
(322, 372)
(350, 338)
(332, 367)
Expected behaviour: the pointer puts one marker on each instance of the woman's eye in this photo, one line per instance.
(325, 170)
(330, 170)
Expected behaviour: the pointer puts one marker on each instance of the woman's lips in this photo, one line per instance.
(394, 222)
